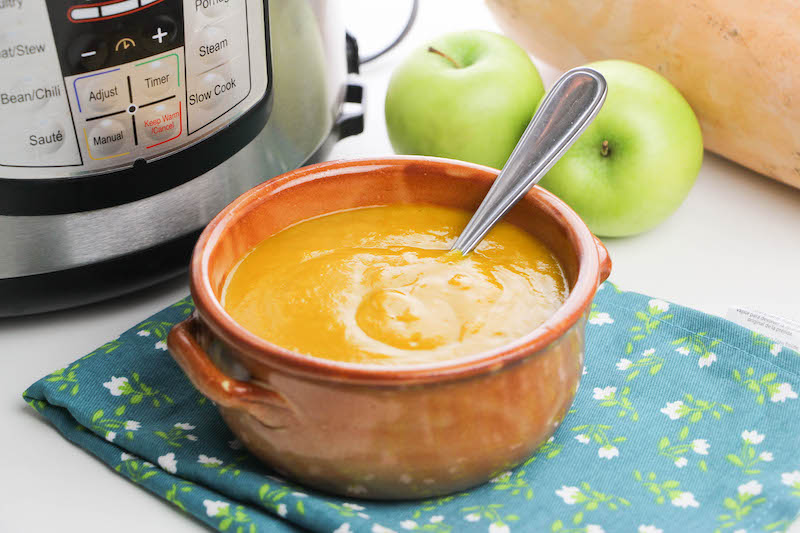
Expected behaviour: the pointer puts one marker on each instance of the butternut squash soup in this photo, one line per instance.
(377, 285)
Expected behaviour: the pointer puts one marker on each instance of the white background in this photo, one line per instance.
(733, 242)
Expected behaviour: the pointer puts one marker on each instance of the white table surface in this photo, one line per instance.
(733, 242)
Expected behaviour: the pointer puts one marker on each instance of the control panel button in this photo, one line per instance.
(108, 137)
(217, 43)
(103, 94)
(46, 137)
(160, 122)
(100, 92)
(211, 46)
(214, 93)
(160, 34)
(30, 93)
(37, 142)
(214, 90)
(214, 8)
(20, 48)
(87, 52)
(152, 80)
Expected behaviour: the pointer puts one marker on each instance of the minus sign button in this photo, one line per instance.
(89, 54)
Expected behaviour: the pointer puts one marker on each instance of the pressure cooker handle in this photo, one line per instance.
(351, 121)
(352, 54)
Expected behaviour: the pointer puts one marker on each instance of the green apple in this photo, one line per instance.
(465, 95)
(635, 164)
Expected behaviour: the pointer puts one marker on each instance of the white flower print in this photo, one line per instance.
(501, 477)
(143, 333)
(408, 524)
(132, 425)
(659, 305)
(775, 349)
(648, 352)
(604, 393)
(184, 425)
(783, 393)
(498, 528)
(235, 444)
(752, 488)
(608, 452)
(568, 494)
(765, 456)
(474, 517)
(672, 410)
(125, 457)
(649, 529)
(110, 436)
(206, 460)
(790, 478)
(115, 385)
(624, 364)
(700, 446)
(363, 515)
(353, 506)
(161, 345)
(707, 359)
(583, 439)
(598, 319)
(169, 463)
(436, 519)
(684, 500)
(215, 507)
(740, 531)
(344, 528)
(300, 495)
(752, 436)
(594, 528)
(377, 528)
(683, 350)
(680, 462)
(282, 510)
(191, 437)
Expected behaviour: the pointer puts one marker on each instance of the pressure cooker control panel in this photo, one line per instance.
(108, 83)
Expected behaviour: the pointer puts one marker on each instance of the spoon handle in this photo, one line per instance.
(568, 108)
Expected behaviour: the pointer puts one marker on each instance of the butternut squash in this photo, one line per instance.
(737, 62)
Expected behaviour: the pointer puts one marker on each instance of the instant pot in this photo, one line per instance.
(128, 124)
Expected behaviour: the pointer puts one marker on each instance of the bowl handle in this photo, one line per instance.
(605, 260)
(209, 380)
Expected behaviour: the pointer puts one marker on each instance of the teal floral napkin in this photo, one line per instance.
(683, 422)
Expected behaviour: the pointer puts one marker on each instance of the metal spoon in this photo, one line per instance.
(569, 107)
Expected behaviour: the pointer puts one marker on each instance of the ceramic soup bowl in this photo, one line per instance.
(376, 431)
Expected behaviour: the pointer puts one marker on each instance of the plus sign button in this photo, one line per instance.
(161, 34)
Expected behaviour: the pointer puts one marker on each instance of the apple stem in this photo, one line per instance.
(604, 149)
(447, 57)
